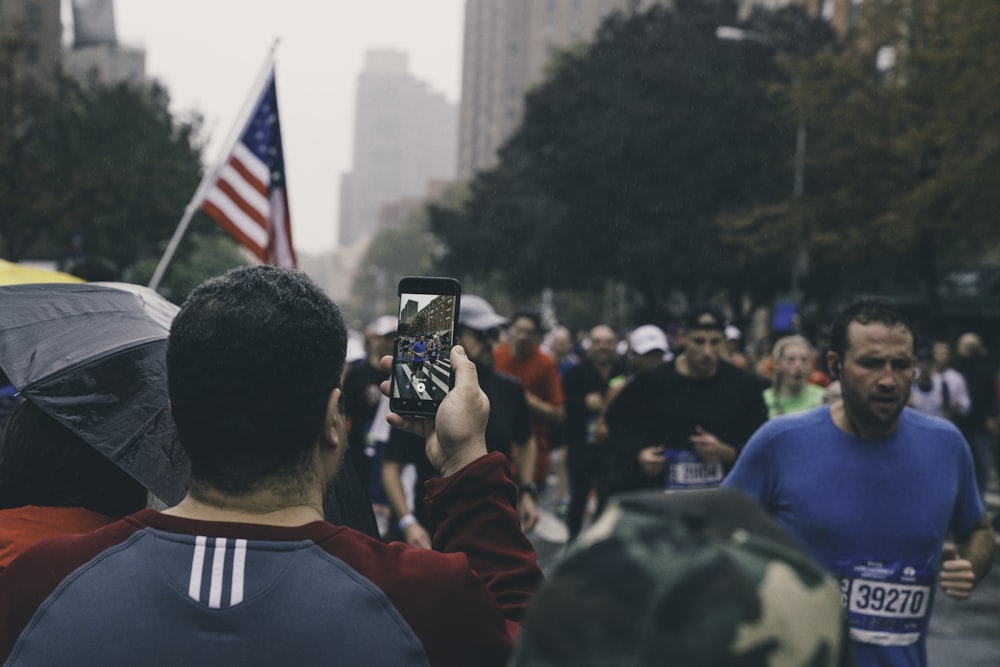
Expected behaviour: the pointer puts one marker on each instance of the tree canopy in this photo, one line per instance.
(662, 158)
(627, 155)
(903, 159)
(96, 172)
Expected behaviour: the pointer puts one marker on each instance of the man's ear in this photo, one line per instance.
(681, 337)
(333, 419)
(833, 363)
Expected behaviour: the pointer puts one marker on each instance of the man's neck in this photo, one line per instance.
(602, 366)
(261, 508)
(843, 420)
(791, 392)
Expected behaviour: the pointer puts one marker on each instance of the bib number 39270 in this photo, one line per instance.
(886, 602)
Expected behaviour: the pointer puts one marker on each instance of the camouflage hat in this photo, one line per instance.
(694, 578)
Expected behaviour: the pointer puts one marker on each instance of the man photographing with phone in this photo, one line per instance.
(244, 570)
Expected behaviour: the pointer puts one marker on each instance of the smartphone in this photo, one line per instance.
(421, 369)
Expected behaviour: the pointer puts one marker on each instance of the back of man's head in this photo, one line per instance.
(252, 358)
(692, 579)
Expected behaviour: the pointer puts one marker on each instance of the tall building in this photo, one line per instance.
(507, 45)
(404, 138)
(842, 15)
(109, 63)
(31, 35)
(96, 51)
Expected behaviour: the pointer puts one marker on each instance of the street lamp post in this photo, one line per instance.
(734, 34)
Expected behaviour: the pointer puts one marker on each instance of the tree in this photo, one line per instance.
(205, 251)
(902, 161)
(394, 253)
(628, 156)
(24, 172)
(107, 165)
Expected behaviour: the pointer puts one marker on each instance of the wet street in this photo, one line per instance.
(967, 634)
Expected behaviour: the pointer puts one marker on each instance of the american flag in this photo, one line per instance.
(248, 197)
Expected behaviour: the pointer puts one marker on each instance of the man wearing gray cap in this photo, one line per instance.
(508, 430)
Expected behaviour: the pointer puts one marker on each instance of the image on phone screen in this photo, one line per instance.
(421, 371)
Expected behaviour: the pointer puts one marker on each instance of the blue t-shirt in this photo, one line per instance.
(873, 512)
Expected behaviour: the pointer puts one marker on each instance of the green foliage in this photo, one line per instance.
(629, 156)
(393, 254)
(662, 158)
(205, 251)
(901, 165)
(109, 165)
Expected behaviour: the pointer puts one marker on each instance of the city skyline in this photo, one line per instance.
(207, 58)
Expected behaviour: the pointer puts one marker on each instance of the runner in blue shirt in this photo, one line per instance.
(873, 490)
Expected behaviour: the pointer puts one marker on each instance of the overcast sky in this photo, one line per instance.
(208, 52)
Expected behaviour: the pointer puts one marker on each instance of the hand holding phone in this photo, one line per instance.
(456, 436)
(421, 371)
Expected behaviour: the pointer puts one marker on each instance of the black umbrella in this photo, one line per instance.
(93, 356)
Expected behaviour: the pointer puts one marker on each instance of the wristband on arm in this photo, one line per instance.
(406, 522)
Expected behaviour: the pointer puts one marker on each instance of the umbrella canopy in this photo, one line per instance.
(93, 356)
(21, 274)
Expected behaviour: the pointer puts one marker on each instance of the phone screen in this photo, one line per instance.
(421, 368)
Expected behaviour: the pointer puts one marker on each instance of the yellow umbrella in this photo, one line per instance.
(22, 274)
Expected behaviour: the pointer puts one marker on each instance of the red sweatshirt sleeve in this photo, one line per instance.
(475, 515)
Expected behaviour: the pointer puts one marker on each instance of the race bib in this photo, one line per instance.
(686, 471)
(887, 602)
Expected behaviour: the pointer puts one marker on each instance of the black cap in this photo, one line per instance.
(705, 316)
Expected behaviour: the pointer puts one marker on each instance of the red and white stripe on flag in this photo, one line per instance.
(248, 197)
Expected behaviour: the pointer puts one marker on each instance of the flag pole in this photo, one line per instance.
(263, 76)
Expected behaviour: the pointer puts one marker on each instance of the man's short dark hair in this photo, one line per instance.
(865, 310)
(530, 314)
(252, 358)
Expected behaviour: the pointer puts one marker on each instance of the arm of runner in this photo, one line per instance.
(543, 409)
(652, 460)
(965, 566)
(710, 448)
(392, 482)
(525, 454)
